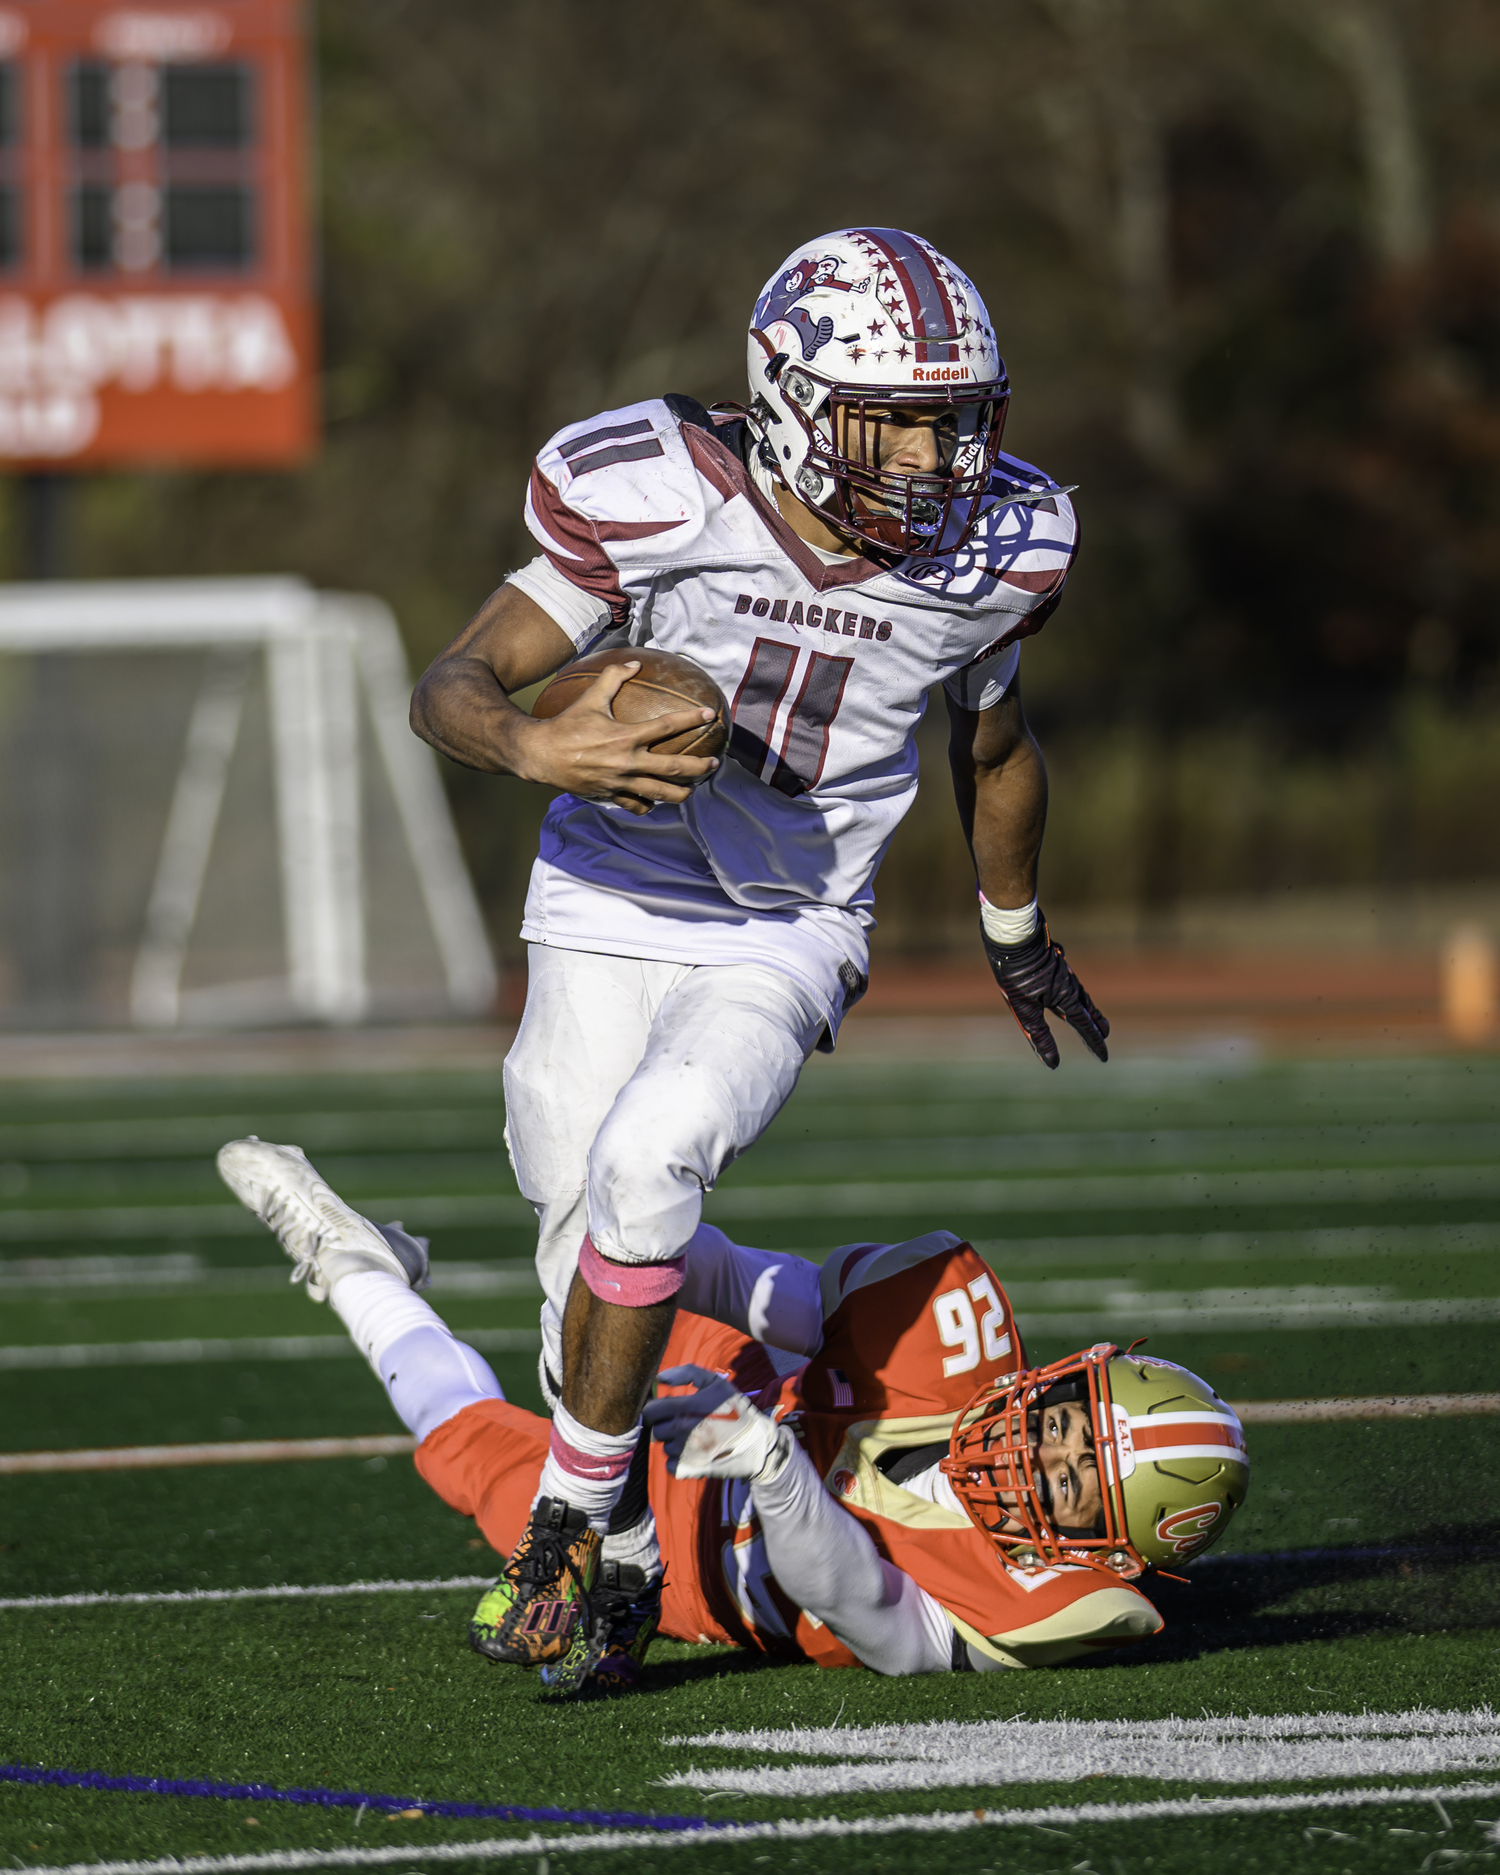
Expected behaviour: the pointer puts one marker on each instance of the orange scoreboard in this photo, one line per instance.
(156, 298)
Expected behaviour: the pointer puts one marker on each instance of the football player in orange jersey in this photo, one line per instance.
(881, 1481)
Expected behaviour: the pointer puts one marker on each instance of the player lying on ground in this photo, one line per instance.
(809, 1494)
(828, 555)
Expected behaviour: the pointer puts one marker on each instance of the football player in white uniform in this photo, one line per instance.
(696, 927)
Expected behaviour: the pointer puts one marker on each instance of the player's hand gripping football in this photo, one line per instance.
(1035, 977)
(713, 1432)
(589, 753)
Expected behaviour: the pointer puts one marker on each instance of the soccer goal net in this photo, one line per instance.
(213, 813)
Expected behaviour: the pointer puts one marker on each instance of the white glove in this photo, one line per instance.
(714, 1432)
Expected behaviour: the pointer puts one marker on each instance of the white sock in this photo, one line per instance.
(636, 1545)
(428, 1373)
(586, 1469)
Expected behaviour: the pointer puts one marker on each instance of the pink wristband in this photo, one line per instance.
(631, 1285)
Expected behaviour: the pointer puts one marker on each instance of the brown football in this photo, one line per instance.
(664, 684)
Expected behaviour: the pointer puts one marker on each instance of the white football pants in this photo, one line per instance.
(630, 1086)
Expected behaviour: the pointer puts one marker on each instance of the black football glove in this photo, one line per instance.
(1035, 977)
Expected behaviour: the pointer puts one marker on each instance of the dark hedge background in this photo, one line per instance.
(1245, 262)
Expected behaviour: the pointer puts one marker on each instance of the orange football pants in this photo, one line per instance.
(486, 1462)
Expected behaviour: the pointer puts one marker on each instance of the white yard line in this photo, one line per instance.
(1064, 1192)
(987, 1754)
(214, 1452)
(181, 1271)
(244, 1348)
(385, 1129)
(934, 1738)
(224, 1220)
(392, 1445)
(935, 1823)
(1131, 1314)
(414, 1131)
(1386, 1406)
(284, 1591)
(184, 1273)
(276, 1592)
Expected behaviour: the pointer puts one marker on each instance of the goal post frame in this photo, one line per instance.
(325, 655)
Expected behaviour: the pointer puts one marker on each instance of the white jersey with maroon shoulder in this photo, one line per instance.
(663, 538)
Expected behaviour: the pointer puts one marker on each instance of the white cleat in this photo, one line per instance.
(322, 1235)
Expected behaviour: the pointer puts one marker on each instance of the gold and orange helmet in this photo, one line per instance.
(1171, 1458)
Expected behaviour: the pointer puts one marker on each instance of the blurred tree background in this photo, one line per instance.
(1245, 264)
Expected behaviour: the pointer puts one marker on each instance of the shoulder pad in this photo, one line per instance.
(626, 468)
(688, 410)
(1018, 555)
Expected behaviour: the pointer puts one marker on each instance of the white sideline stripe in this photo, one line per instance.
(394, 1445)
(247, 1348)
(279, 1591)
(931, 1823)
(211, 1452)
(985, 1754)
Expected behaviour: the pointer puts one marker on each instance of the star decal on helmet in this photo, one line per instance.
(922, 318)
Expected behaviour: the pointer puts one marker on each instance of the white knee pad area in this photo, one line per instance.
(724, 1053)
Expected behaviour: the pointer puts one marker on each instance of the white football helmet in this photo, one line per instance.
(851, 326)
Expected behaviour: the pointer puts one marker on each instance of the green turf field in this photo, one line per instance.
(1290, 1230)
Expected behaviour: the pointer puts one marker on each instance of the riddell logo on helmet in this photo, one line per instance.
(1188, 1529)
(939, 374)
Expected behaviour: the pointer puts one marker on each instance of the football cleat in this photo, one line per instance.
(528, 1618)
(610, 1649)
(323, 1236)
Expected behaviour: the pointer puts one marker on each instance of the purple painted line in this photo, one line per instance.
(341, 1799)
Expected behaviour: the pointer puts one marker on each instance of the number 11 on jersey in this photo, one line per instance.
(796, 765)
